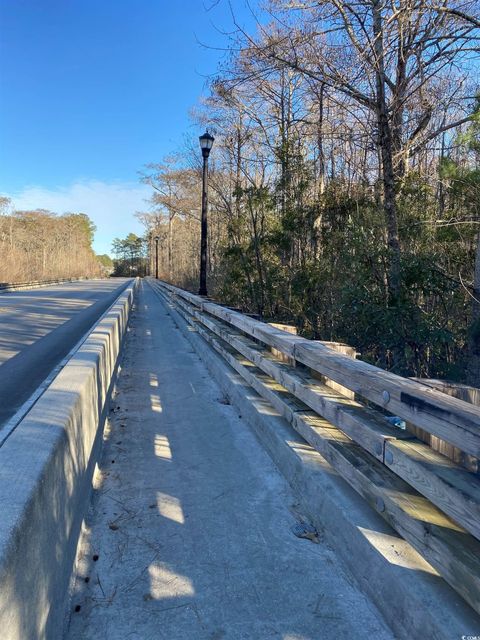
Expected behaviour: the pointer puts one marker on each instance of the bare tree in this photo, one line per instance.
(387, 58)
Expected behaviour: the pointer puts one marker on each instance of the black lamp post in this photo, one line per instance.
(156, 256)
(206, 143)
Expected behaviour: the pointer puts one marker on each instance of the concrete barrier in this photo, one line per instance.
(8, 287)
(46, 468)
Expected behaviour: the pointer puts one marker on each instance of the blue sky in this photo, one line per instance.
(92, 90)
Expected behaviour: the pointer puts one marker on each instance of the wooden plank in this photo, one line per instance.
(448, 418)
(289, 329)
(283, 401)
(362, 424)
(453, 489)
(463, 392)
(445, 545)
(341, 348)
(457, 390)
(448, 548)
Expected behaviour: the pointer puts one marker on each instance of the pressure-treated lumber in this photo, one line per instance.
(452, 488)
(341, 348)
(463, 392)
(362, 424)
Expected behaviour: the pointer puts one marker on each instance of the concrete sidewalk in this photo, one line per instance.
(190, 532)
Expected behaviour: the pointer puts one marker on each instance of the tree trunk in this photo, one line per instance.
(473, 372)
(386, 153)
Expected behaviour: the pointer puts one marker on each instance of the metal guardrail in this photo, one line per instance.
(429, 500)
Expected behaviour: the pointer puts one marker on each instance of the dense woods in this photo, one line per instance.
(39, 245)
(345, 181)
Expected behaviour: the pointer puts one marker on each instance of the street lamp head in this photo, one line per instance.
(157, 238)
(206, 143)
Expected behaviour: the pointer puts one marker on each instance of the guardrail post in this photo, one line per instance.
(341, 348)
(289, 328)
(462, 392)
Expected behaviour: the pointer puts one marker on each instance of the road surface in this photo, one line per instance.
(39, 327)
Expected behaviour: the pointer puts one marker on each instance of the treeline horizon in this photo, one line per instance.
(131, 256)
(41, 245)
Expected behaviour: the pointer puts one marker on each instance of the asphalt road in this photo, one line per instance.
(39, 327)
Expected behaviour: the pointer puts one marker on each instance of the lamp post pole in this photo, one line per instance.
(156, 256)
(206, 143)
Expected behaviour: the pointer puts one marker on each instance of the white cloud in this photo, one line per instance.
(111, 205)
